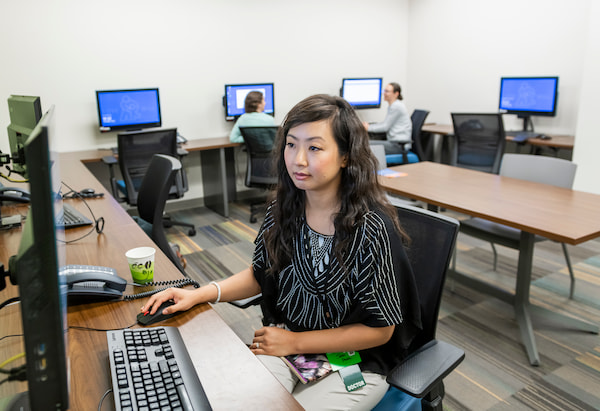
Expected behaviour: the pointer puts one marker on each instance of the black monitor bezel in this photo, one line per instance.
(527, 113)
(42, 289)
(132, 126)
(363, 106)
(229, 117)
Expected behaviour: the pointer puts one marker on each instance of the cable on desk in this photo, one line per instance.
(12, 180)
(103, 397)
(164, 285)
(9, 301)
(98, 222)
(11, 359)
(82, 328)
(11, 335)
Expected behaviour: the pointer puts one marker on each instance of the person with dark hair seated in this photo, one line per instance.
(253, 116)
(397, 124)
(328, 260)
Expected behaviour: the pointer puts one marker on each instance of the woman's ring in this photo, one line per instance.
(257, 345)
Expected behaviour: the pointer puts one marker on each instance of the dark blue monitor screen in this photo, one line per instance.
(235, 96)
(529, 95)
(362, 92)
(128, 109)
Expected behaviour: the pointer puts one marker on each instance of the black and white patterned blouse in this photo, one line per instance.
(314, 292)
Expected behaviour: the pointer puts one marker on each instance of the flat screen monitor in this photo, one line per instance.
(362, 92)
(529, 96)
(25, 112)
(128, 109)
(235, 96)
(42, 289)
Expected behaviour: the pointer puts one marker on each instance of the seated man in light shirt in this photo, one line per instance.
(253, 117)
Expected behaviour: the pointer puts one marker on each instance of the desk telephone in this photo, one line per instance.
(93, 282)
(88, 283)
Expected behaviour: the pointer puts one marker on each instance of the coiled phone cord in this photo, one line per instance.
(164, 285)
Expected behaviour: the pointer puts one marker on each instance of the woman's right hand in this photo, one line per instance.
(183, 299)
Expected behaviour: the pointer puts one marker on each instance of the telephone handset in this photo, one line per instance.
(86, 283)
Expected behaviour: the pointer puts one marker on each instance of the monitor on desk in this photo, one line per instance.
(42, 290)
(25, 112)
(362, 92)
(235, 97)
(528, 96)
(133, 109)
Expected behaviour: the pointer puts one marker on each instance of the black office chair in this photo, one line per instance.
(154, 190)
(539, 169)
(135, 150)
(429, 361)
(420, 375)
(419, 149)
(259, 170)
(479, 141)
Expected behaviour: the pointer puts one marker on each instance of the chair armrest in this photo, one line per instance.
(181, 152)
(109, 160)
(247, 302)
(425, 368)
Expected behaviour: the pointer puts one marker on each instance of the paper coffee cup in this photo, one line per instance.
(141, 264)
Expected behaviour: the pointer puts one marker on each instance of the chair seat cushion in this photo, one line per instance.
(493, 232)
(394, 399)
(396, 159)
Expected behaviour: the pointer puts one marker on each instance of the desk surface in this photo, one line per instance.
(556, 140)
(232, 376)
(560, 214)
(88, 156)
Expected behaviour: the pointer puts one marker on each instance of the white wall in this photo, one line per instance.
(459, 49)
(447, 55)
(587, 140)
(65, 50)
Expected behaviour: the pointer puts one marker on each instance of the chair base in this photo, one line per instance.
(168, 222)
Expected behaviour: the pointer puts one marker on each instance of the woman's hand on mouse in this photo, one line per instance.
(183, 299)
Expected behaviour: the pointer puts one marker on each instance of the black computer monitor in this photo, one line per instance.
(133, 109)
(362, 92)
(42, 290)
(25, 112)
(235, 97)
(528, 96)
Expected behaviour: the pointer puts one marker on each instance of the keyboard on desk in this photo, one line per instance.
(151, 369)
(69, 217)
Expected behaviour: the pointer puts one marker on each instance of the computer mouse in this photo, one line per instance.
(87, 191)
(544, 137)
(147, 318)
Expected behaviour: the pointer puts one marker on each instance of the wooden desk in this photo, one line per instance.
(571, 217)
(217, 163)
(231, 375)
(557, 141)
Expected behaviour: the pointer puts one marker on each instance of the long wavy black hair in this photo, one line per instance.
(359, 190)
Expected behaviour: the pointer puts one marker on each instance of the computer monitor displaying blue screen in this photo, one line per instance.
(235, 96)
(529, 96)
(362, 92)
(128, 109)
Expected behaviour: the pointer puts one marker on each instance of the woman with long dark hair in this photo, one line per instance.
(328, 260)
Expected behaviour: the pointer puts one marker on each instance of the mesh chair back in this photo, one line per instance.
(432, 239)
(136, 149)
(259, 167)
(152, 198)
(479, 141)
(418, 119)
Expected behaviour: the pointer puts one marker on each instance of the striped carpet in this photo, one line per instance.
(496, 374)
